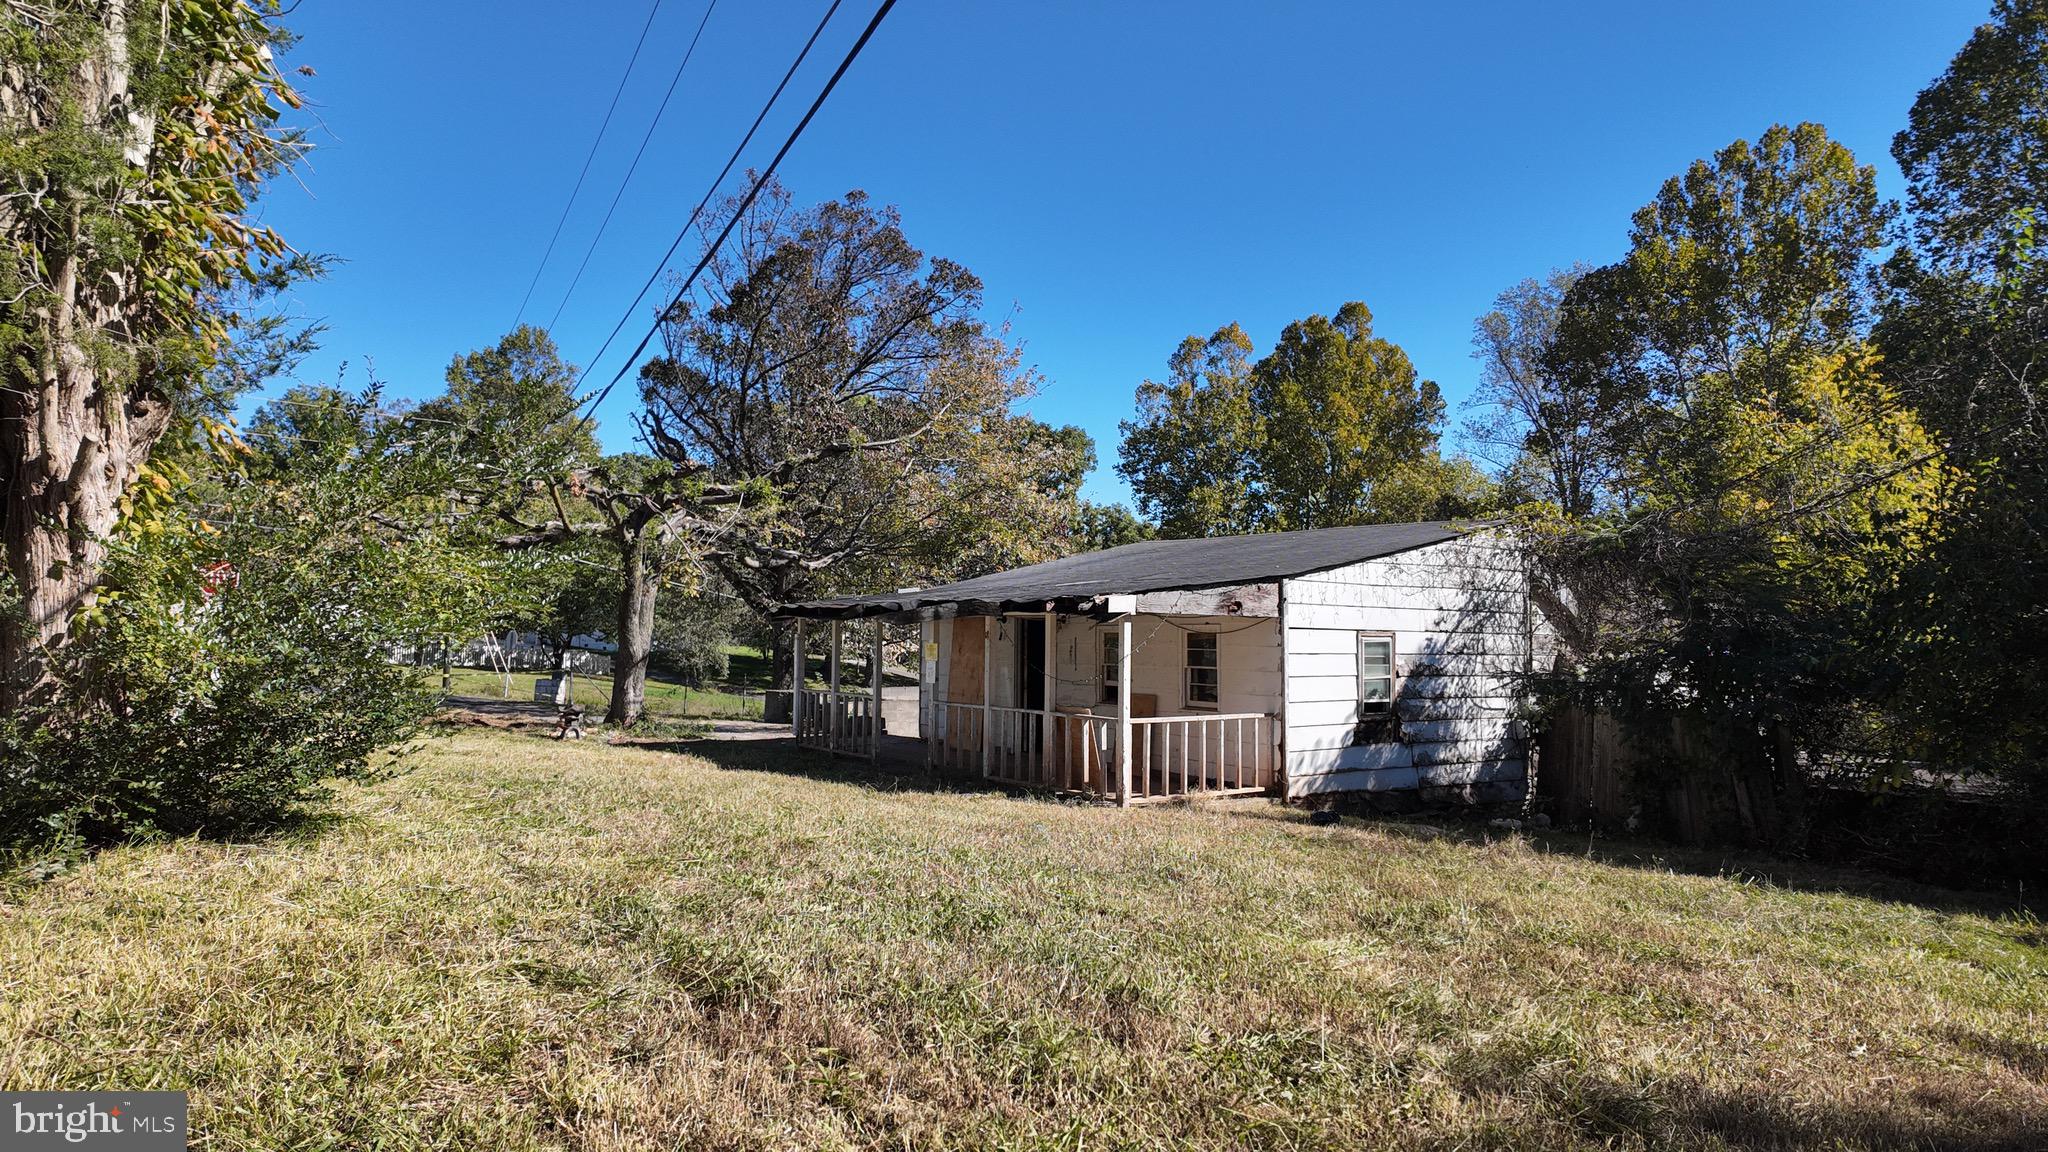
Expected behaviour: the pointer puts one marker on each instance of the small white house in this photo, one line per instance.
(1372, 658)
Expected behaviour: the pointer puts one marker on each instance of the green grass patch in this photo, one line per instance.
(526, 945)
(664, 698)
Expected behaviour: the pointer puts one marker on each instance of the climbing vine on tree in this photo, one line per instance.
(133, 139)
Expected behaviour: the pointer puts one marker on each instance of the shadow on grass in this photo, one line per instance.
(1952, 1118)
(899, 770)
(1741, 865)
(1754, 867)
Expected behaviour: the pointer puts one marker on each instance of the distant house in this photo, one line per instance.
(1364, 659)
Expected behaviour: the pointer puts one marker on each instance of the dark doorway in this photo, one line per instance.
(1031, 663)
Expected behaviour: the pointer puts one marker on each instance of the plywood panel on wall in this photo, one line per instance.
(963, 666)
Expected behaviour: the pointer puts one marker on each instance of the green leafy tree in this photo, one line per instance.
(1099, 526)
(693, 630)
(1191, 453)
(1539, 418)
(238, 655)
(510, 412)
(574, 591)
(1770, 483)
(1965, 339)
(1333, 427)
(133, 138)
(1349, 427)
(1977, 175)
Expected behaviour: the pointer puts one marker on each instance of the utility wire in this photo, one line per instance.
(635, 165)
(634, 59)
(698, 211)
(746, 202)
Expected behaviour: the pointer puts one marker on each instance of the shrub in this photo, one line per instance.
(232, 665)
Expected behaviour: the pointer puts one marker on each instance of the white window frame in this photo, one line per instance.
(1188, 669)
(1393, 676)
(1106, 642)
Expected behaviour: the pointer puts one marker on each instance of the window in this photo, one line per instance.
(1111, 650)
(1375, 674)
(1201, 668)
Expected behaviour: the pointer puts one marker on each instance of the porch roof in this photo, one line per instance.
(1076, 583)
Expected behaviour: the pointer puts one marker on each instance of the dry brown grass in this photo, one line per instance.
(525, 944)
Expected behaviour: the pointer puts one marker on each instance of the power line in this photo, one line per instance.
(698, 211)
(746, 202)
(635, 165)
(623, 77)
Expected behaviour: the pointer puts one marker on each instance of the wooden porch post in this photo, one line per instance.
(796, 685)
(875, 678)
(1048, 735)
(988, 693)
(928, 690)
(1123, 711)
(832, 682)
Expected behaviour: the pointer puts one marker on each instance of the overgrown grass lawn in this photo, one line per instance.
(524, 944)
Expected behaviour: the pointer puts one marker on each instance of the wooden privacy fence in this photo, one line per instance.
(1698, 778)
(1172, 757)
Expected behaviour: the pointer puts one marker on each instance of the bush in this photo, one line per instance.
(229, 671)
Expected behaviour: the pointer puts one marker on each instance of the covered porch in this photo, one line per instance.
(1105, 696)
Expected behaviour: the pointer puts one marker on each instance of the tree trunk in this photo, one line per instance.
(70, 453)
(781, 651)
(636, 632)
(72, 440)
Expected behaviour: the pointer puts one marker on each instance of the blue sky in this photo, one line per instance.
(1120, 175)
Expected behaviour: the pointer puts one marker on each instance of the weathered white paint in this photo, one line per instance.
(1459, 618)
(1124, 671)
(1460, 623)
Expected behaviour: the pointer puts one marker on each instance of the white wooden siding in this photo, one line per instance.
(1460, 621)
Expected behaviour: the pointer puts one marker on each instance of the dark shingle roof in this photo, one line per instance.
(1154, 566)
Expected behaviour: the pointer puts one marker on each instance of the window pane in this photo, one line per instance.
(1201, 650)
(1375, 657)
(1378, 689)
(1202, 685)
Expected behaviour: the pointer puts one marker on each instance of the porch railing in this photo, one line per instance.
(1177, 756)
(1172, 757)
(837, 722)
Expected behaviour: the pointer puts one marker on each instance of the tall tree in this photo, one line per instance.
(132, 139)
(1965, 338)
(1350, 426)
(1976, 171)
(1191, 453)
(510, 412)
(1771, 483)
(1100, 526)
(527, 461)
(1333, 427)
(1540, 420)
(826, 366)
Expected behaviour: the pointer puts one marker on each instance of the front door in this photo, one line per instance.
(1031, 664)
